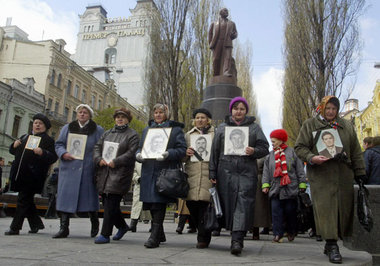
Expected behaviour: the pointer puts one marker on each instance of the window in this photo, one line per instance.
(93, 101)
(110, 56)
(76, 91)
(52, 78)
(30, 128)
(56, 107)
(16, 126)
(68, 88)
(99, 104)
(83, 96)
(59, 80)
(74, 116)
(50, 103)
(66, 112)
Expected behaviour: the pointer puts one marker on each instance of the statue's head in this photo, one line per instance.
(223, 12)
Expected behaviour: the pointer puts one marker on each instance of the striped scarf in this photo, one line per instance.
(281, 169)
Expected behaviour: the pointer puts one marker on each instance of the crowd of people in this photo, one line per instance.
(256, 187)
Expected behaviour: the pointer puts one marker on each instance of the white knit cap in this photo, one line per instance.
(82, 105)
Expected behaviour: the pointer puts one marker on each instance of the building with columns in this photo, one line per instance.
(116, 48)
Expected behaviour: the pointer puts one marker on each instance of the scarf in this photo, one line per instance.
(321, 111)
(121, 127)
(281, 169)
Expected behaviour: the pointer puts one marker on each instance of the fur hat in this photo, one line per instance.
(280, 134)
(44, 119)
(123, 111)
(203, 111)
(82, 105)
(239, 99)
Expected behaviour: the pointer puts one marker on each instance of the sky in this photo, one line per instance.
(258, 21)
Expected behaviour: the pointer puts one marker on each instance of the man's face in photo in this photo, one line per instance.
(328, 140)
(200, 145)
(237, 141)
(157, 143)
(76, 144)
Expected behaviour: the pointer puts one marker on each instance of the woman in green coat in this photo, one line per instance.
(331, 179)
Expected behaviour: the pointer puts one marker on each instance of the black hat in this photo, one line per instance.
(203, 111)
(44, 119)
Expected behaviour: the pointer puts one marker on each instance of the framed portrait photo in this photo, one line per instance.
(235, 140)
(32, 142)
(109, 150)
(155, 142)
(202, 145)
(329, 143)
(76, 145)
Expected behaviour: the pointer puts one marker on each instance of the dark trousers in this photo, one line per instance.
(112, 214)
(238, 236)
(158, 210)
(197, 211)
(284, 211)
(26, 209)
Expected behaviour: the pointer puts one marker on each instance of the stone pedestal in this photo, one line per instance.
(216, 99)
(361, 239)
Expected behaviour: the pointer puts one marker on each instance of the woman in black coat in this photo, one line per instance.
(151, 168)
(29, 171)
(114, 175)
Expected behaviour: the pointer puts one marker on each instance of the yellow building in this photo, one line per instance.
(63, 82)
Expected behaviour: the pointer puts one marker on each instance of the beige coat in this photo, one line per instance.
(198, 172)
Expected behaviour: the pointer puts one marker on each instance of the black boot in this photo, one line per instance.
(64, 228)
(332, 251)
(154, 239)
(162, 234)
(133, 225)
(181, 223)
(236, 247)
(94, 223)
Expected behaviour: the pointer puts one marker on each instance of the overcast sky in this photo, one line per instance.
(259, 21)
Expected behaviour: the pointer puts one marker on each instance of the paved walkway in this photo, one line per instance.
(79, 249)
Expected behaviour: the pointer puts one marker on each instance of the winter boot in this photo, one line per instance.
(64, 228)
(154, 239)
(181, 223)
(94, 223)
(133, 225)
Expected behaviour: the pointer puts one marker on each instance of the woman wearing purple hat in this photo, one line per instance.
(236, 175)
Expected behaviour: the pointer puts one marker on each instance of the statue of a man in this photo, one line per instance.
(220, 38)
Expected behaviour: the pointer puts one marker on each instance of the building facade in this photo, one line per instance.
(116, 48)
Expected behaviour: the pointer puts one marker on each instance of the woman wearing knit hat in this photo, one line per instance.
(236, 175)
(283, 177)
(331, 179)
(28, 173)
(76, 189)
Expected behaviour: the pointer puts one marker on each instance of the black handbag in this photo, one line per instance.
(210, 221)
(173, 183)
(363, 211)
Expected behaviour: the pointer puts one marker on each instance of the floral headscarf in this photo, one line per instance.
(322, 105)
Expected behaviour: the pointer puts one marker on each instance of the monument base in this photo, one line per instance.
(216, 99)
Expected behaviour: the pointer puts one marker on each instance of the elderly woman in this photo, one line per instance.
(76, 188)
(236, 175)
(113, 176)
(283, 177)
(28, 173)
(331, 179)
(197, 167)
(151, 168)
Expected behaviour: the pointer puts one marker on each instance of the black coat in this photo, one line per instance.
(372, 165)
(29, 170)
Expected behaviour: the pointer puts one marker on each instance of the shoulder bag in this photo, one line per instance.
(173, 182)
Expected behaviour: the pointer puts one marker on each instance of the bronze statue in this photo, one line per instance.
(220, 36)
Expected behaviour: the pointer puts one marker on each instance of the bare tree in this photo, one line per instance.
(322, 53)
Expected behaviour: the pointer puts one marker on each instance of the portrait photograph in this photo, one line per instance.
(109, 150)
(155, 143)
(202, 145)
(235, 140)
(33, 142)
(76, 145)
(329, 143)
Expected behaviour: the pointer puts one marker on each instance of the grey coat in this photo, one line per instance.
(76, 187)
(116, 180)
(237, 176)
(296, 174)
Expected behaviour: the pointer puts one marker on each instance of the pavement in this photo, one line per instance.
(79, 249)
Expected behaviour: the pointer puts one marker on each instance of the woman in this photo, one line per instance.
(76, 188)
(331, 180)
(151, 168)
(198, 170)
(236, 175)
(113, 178)
(28, 174)
(283, 177)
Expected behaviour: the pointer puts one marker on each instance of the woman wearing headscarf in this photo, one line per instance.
(113, 177)
(76, 188)
(331, 179)
(151, 168)
(236, 175)
(28, 173)
(198, 171)
(283, 177)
